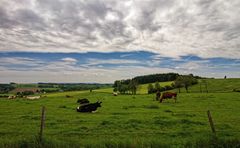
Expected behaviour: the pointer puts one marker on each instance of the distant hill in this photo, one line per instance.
(152, 78)
(214, 85)
(161, 77)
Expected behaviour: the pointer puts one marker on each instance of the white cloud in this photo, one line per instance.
(24, 61)
(118, 62)
(94, 74)
(65, 69)
(70, 60)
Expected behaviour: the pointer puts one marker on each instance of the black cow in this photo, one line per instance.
(83, 101)
(89, 107)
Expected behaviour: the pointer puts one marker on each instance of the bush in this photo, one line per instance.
(168, 87)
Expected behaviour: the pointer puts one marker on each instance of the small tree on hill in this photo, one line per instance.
(133, 85)
(157, 86)
(150, 88)
(185, 81)
(178, 83)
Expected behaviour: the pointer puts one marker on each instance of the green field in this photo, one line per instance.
(216, 85)
(123, 120)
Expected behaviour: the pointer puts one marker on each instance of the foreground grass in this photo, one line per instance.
(124, 119)
(212, 142)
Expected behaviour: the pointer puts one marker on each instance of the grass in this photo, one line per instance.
(216, 85)
(122, 121)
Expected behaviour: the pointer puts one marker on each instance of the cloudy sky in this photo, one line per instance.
(105, 40)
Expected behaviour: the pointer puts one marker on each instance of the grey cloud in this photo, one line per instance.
(169, 28)
(5, 21)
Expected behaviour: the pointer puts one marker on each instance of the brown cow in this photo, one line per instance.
(168, 95)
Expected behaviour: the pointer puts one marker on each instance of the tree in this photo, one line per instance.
(178, 83)
(123, 88)
(116, 85)
(150, 88)
(185, 81)
(157, 86)
(133, 85)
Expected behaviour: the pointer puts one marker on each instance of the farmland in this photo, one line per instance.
(124, 120)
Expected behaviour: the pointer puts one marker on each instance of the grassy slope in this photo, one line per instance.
(137, 120)
(217, 85)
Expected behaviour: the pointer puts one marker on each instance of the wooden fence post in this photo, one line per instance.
(211, 122)
(42, 124)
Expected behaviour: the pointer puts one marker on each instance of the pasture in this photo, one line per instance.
(122, 121)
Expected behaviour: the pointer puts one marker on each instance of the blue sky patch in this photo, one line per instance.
(101, 64)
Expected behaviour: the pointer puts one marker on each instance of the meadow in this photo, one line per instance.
(124, 120)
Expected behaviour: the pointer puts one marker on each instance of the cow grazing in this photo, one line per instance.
(115, 93)
(83, 101)
(12, 97)
(89, 107)
(168, 95)
(33, 97)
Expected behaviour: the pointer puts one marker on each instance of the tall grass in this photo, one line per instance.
(210, 142)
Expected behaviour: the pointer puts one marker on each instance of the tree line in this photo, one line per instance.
(162, 77)
(131, 85)
(126, 86)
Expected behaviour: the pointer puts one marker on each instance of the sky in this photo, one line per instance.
(105, 40)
